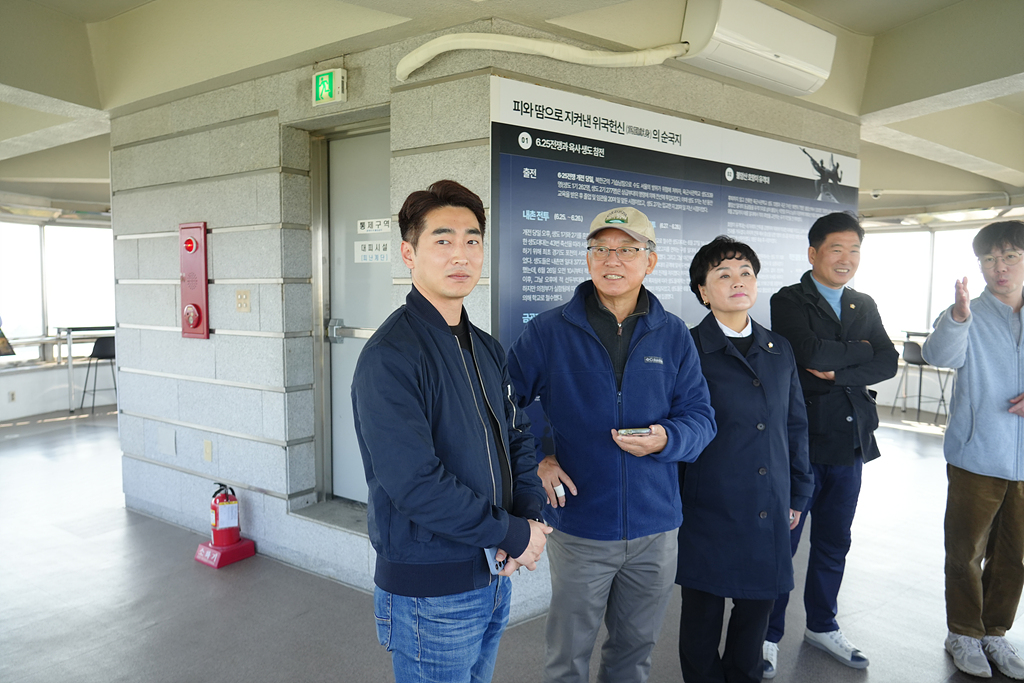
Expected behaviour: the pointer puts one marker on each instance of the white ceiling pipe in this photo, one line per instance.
(529, 46)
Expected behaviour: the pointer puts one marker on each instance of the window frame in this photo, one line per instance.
(45, 342)
(931, 311)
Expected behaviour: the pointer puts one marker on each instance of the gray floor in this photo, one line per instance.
(92, 592)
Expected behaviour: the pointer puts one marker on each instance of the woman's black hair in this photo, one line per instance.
(712, 254)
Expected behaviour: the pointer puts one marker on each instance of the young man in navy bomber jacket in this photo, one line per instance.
(448, 456)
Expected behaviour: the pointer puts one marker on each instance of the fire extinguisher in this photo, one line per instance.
(224, 516)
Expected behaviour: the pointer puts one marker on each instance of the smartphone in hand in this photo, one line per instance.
(492, 563)
(635, 431)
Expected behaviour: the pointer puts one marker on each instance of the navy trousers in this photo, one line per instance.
(832, 506)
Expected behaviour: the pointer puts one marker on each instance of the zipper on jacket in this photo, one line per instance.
(625, 521)
(625, 507)
(490, 408)
(515, 416)
(625, 532)
(487, 445)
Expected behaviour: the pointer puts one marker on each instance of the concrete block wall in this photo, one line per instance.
(244, 396)
(239, 159)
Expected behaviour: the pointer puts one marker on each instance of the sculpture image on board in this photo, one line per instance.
(5, 345)
(827, 185)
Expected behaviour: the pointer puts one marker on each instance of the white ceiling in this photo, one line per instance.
(866, 17)
(89, 11)
(870, 17)
(1014, 103)
(919, 149)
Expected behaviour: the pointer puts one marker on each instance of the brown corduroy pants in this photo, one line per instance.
(984, 529)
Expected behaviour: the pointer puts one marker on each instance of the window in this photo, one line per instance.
(911, 274)
(79, 277)
(54, 276)
(895, 270)
(21, 287)
(953, 259)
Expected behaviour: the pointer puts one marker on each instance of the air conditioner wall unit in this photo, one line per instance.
(751, 42)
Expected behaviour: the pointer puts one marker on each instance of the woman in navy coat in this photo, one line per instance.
(749, 486)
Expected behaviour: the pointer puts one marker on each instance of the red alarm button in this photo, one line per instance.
(190, 245)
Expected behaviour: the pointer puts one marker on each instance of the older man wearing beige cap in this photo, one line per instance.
(620, 383)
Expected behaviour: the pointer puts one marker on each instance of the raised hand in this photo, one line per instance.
(962, 302)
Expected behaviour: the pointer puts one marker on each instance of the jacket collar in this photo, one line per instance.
(1003, 310)
(811, 290)
(418, 304)
(576, 310)
(712, 338)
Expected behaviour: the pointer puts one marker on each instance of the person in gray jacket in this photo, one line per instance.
(984, 448)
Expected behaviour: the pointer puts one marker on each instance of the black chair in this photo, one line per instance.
(102, 350)
(912, 357)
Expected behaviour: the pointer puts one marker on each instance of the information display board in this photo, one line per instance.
(560, 158)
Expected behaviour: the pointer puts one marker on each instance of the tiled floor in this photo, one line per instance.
(92, 592)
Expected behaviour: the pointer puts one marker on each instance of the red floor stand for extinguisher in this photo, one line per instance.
(227, 545)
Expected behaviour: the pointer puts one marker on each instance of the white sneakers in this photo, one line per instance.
(972, 656)
(1004, 656)
(968, 655)
(770, 653)
(832, 642)
(836, 644)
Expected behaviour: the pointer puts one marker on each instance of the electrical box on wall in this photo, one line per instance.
(195, 319)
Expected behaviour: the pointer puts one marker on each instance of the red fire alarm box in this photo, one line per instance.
(195, 319)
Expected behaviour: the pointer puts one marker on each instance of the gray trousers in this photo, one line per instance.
(628, 583)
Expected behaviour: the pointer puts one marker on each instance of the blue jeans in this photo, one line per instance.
(832, 507)
(447, 639)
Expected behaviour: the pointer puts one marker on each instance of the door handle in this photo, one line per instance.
(337, 332)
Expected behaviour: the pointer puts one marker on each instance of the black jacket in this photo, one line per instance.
(822, 342)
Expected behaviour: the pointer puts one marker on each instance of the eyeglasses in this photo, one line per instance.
(1010, 258)
(624, 253)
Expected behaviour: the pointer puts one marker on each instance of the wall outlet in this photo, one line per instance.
(10, 397)
(208, 451)
(242, 304)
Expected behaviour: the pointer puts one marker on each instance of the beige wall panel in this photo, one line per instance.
(964, 45)
(984, 130)
(132, 50)
(46, 52)
(15, 120)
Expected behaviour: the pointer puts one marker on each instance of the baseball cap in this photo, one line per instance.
(627, 219)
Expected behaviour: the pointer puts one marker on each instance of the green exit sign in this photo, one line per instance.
(330, 86)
